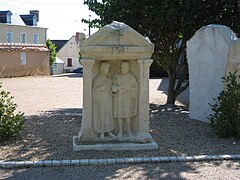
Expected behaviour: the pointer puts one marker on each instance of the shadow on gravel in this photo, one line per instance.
(49, 137)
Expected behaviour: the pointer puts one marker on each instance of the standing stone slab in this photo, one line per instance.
(116, 61)
(234, 60)
(207, 53)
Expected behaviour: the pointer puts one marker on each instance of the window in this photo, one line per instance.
(69, 62)
(35, 20)
(23, 38)
(9, 37)
(9, 20)
(35, 38)
(23, 58)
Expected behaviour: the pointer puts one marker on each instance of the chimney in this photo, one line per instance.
(35, 12)
(77, 36)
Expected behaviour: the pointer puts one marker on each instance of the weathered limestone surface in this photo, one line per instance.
(207, 53)
(116, 62)
(234, 59)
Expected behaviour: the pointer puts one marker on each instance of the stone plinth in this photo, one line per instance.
(116, 62)
(120, 146)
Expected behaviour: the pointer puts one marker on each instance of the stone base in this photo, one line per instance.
(121, 146)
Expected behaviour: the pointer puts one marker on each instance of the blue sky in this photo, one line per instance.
(61, 17)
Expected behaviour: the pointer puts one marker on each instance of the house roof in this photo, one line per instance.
(4, 12)
(22, 47)
(4, 15)
(28, 19)
(59, 43)
(19, 19)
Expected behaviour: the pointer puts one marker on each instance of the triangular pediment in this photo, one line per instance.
(117, 34)
(117, 41)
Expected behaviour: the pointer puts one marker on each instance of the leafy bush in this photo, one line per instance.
(10, 122)
(226, 117)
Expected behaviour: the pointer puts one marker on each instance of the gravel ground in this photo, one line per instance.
(50, 137)
(200, 170)
(53, 118)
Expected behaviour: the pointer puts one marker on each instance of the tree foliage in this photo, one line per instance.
(52, 47)
(226, 109)
(169, 24)
(10, 122)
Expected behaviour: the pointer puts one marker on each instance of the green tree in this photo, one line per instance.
(52, 47)
(169, 24)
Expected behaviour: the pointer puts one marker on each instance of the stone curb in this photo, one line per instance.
(112, 161)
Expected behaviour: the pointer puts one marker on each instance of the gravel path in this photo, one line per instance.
(204, 170)
(53, 109)
(50, 137)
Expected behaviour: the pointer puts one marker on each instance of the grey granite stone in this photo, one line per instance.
(47, 163)
(155, 159)
(138, 160)
(129, 160)
(75, 162)
(56, 163)
(146, 160)
(164, 159)
(38, 163)
(66, 162)
(111, 161)
(173, 159)
(10, 164)
(120, 160)
(93, 162)
(102, 161)
(84, 162)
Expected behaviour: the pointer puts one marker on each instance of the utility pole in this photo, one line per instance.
(89, 27)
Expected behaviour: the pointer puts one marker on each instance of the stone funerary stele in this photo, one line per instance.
(116, 61)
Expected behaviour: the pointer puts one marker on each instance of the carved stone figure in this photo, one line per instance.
(125, 93)
(102, 102)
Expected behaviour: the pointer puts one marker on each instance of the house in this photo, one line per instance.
(16, 28)
(68, 51)
(22, 45)
(23, 60)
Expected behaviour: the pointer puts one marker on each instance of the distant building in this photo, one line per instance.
(23, 60)
(16, 28)
(68, 51)
(58, 67)
(22, 45)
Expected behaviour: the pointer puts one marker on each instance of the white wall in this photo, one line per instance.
(18, 29)
(70, 50)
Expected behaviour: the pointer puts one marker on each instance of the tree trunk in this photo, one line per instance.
(171, 95)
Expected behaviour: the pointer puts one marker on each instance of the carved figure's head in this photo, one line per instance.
(104, 67)
(125, 66)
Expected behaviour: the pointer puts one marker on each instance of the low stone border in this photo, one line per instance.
(83, 162)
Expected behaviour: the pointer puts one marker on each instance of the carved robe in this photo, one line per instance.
(102, 105)
(125, 101)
